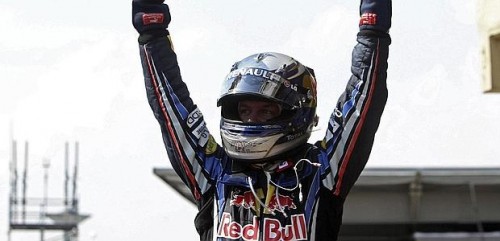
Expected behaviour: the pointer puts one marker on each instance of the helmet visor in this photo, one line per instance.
(260, 83)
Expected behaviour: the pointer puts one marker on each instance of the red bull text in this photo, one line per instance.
(273, 230)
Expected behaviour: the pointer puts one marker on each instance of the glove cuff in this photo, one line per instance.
(375, 15)
(148, 18)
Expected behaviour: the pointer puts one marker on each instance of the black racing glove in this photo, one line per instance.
(150, 17)
(375, 15)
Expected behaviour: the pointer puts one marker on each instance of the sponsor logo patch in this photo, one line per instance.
(152, 18)
(254, 72)
(368, 19)
(193, 117)
(211, 146)
(202, 133)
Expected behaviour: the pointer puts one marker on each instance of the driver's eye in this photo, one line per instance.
(268, 113)
(243, 111)
(258, 111)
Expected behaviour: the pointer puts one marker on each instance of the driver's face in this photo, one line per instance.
(256, 111)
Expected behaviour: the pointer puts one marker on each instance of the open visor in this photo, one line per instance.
(260, 83)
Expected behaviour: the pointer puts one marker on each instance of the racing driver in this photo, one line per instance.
(265, 181)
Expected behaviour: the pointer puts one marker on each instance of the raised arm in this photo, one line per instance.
(186, 138)
(352, 126)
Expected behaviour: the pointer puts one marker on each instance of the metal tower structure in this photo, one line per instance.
(44, 213)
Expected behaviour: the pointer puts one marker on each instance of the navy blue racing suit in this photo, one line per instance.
(302, 203)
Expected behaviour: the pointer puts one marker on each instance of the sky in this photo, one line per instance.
(70, 72)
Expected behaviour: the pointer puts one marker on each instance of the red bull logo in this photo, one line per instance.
(273, 230)
(281, 202)
(247, 200)
(276, 203)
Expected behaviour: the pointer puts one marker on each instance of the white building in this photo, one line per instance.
(489, 27)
